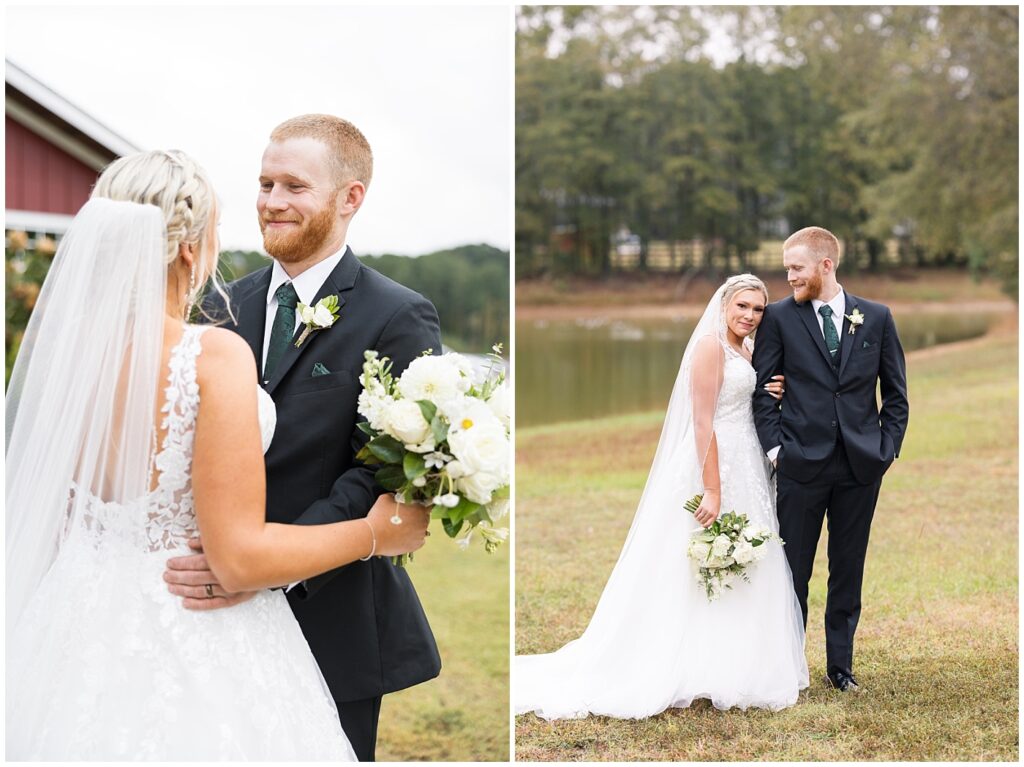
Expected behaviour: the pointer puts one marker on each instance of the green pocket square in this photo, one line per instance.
(320, 370)
(866, 345)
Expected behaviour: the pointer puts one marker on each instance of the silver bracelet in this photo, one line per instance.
(372, 548)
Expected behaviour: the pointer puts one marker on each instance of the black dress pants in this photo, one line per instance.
(359, 720)
(849, 505)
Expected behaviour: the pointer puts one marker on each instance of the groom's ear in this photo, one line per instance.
(350, 197)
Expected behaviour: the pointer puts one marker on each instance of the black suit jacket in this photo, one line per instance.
(823, 400)
(364, 622)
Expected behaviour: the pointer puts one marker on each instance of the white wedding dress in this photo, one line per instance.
(655, 641)
(110, 666)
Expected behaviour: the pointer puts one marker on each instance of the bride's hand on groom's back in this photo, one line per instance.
(397, 527)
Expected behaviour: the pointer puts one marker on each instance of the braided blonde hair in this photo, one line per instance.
(740, 282)
(177, 185)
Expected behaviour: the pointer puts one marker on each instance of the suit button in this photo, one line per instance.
(834, 424)
(837, 395)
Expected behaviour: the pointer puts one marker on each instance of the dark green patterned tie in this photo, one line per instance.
(283, 330)
(831, 336)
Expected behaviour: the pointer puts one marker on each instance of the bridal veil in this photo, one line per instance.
(82, 395)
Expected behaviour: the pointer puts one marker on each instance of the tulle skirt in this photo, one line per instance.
(745, 649)
(107, 665)
(654, 640)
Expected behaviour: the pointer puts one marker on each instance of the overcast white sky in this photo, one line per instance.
(429, 87)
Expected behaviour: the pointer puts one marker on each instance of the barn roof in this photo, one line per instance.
(47, 113)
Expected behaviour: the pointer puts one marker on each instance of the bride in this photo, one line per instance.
(655, 641)
(130, 431)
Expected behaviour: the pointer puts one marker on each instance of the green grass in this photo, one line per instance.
(937, 645)
(463, 715)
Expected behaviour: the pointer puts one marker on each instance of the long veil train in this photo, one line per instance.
(654, 641)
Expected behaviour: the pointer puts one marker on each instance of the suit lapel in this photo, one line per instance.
(252, 317)
(847, 344)
(806, 312)
(337, 283)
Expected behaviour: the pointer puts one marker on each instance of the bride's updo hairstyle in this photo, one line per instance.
(177, 185)
(740, 282)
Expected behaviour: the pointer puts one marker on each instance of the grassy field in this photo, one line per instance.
(462, 716)
(937, 645)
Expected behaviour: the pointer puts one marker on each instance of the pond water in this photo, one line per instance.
(568, 370)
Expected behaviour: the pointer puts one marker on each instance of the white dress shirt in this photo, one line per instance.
(306, 285)
(838, 304)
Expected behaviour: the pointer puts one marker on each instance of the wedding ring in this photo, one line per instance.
(396, 520)
(209, 590)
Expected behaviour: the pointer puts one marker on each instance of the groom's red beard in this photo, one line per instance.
(810, 290)
(298, 243)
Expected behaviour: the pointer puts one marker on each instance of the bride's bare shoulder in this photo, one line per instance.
(226, 357)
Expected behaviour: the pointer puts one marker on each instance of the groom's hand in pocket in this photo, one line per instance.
(189, 576)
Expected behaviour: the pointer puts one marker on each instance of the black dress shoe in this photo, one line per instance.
(839, 680)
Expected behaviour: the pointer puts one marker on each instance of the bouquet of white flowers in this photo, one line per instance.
(440, 434)
(723, 551)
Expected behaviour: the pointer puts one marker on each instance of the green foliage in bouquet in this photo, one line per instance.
(423, 477)
(725, 549)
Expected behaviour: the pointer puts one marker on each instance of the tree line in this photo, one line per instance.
(885, 124)
(469, 285)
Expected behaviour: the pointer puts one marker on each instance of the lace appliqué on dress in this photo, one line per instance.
(164, 519)
(171, 518)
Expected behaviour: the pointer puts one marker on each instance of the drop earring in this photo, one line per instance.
(191, 293)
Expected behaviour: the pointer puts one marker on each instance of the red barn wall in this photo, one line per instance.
(42, 177)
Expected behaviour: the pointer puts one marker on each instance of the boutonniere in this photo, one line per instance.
(856, 320)
(318, 317)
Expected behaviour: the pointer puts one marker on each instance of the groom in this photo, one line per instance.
(363, 622)
(828, 439)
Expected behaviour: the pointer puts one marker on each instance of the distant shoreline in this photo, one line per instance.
(692, 310)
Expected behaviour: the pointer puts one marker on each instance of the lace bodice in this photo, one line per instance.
(735, 400)
(164, 519)
(743, 468)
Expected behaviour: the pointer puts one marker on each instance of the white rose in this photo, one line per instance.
(720, 548)
(405, 422)
(306, 313)
(322, 317)
(478, 486)
(484, 447)
(743, 553)
(699, 550)
(434, 379)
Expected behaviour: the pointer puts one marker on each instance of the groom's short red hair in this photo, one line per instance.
(349, 148)
(820, 243)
